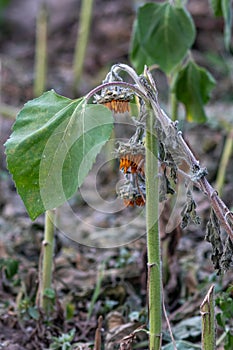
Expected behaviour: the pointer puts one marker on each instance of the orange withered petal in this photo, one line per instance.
(128, 202)
(139, 201)
(108, 105)
(117, 106)
(134, 161)
(133, 168)
(125, 164)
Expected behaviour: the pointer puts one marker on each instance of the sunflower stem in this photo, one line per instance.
(81, 42)
(153, 238)
(227, 151)
(41, 51)
(47, 263)
(208, 319)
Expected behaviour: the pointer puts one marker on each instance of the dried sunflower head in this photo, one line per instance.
(132, 157)
(116, 99)
(133, 192)
(132, 163)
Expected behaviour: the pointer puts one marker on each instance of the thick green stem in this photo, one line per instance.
(47, 263)
(39, 87)
(228, 147)
(41, 51)
(208, 319)
(81, 42)
(153, 238)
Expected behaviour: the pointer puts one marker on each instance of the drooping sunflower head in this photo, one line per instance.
(117, 99)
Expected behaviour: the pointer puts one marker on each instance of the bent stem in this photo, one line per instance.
(153, 238)
(47, 262)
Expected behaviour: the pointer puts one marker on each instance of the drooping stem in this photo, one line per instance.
(153, 238)
(180, 150)
(113, 84)
(208, 319)
(228, 148)
(47, 260)
(41, 51)
(174, 141)
(81, 42)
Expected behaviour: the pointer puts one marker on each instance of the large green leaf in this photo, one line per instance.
(162, 34)
(192, 87)
(138, 56)
(53, 145)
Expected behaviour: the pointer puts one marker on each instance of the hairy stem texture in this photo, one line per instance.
(47, 263)
(153, 238)
(208, 317)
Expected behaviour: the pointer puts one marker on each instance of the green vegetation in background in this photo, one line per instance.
(163, 34)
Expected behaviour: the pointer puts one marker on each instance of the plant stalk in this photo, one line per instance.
(41, 51)
(208, 318)
(228, 147)
(153, 238)
(97, 290)
(47, 262)
(174, 106)
(39, 87)
(82, 40)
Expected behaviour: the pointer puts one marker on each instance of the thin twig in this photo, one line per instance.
(168, 324)
(97, 345)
